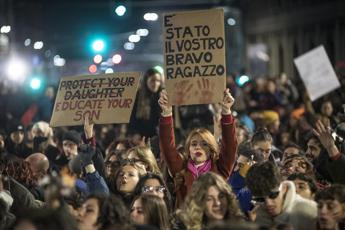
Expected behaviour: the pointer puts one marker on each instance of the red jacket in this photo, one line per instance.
(177, 166)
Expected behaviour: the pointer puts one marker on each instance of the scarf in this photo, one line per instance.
(197, 171)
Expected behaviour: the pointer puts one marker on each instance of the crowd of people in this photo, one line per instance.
(265, 157)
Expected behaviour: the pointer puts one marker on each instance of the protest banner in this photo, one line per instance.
(104, 99)
(317, 72)
(194, 56)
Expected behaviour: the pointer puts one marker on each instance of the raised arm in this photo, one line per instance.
(227, 155)
(88, 137)
(336, 163)
(167, 136)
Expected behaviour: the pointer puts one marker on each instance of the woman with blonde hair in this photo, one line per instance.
(210, 200)
(201, 153)
(43, 136)
(144, 156)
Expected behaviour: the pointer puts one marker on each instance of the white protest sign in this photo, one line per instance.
(317, 72)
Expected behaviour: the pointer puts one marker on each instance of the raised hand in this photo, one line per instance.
(323, 134)
(326, 139)
(88, 128)
(86, 153)
(164, 104)
(227, 102)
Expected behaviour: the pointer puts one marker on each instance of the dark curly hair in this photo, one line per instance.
(20, 171)
(334, 192)
(301, 176)
(112, 211)
(261, 134)
(141, 182)
(262, 178)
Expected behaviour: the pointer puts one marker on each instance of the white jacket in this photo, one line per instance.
(297, 211)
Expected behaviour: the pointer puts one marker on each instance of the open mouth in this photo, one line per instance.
(198, 154)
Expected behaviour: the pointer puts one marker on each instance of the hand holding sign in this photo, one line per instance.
(164, 104)
(227, 102)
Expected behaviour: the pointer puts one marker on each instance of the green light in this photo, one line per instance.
(159, 69)
(35, 83)
(98, 45)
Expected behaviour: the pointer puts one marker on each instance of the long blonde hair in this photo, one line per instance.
(192, 213)
(206, 136)
(45, 130)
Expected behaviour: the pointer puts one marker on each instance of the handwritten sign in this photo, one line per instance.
(317, 72)
(194, 56)
(104, 99)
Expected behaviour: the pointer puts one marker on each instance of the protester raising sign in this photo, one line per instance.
(194, 56)
(104, 99)
(317, 72)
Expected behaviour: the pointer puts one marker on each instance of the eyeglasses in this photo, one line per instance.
(159, 189)
(261, 199)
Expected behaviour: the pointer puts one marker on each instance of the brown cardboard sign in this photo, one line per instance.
(194, 56)
(104, 99)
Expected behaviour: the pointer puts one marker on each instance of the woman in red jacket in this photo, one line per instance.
(202, 152)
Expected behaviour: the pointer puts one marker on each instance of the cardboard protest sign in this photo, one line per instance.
(317, 72)
(105, 99)
(194, 56)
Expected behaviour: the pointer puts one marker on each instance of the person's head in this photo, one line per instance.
(150, 210)
(296, 164)
(154, 184)
(264, 181)
(70, 142)
(128, 176)
(50, 92)
(17, 133)
(271, 86)
(291, 149)
(271, 120)
(118, 145)
(42, 129)
(242, 133)
(44, 218)
(100, 212)
(144, 156)
(305, 185)
(331, 206)
(153, 80)
(246, 158)
(201, 146)
(39, 163)
(262, 142)
(327, 108)
(20, 170)
(211, 199)
(2, 140)
(314, 148)
(112, 161)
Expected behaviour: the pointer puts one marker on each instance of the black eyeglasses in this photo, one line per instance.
(159, 189)
(261, 199)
